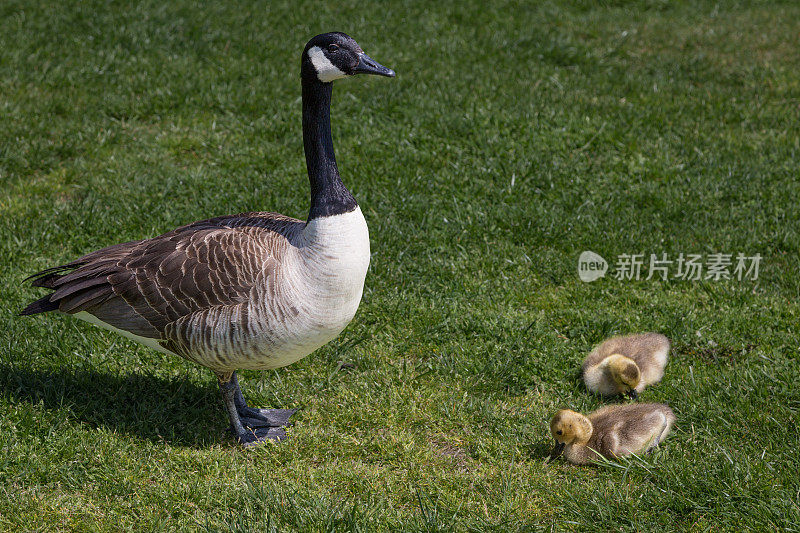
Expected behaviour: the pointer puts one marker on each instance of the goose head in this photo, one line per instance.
(569, 427)
(331, 56)
(625, 373)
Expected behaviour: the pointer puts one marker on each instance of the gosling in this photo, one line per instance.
(611, 432)
(626, 365)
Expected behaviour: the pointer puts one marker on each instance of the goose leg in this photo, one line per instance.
(249, 431)
(258, 418)
(228, 389)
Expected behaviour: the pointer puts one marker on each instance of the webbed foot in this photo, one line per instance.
(255, 436)
(261, 418)
(252, 426)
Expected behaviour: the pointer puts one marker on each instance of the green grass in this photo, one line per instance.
(513, 138)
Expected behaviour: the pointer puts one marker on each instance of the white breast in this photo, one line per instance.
(335, 256)
(323, 282)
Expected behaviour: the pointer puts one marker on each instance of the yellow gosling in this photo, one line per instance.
(610, 432)
(626, 365)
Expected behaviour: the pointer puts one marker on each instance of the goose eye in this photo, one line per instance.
(333, 48)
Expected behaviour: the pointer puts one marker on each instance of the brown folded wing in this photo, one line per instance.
(143, 286)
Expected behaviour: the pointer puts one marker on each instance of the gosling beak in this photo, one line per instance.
(632, 394)
(557, 450)
(367, 65)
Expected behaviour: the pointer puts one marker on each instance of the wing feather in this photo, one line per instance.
(197, 275)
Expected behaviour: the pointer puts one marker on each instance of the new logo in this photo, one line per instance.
(591, 266)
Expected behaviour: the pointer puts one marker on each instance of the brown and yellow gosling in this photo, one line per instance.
(626, 365)
(610, 432)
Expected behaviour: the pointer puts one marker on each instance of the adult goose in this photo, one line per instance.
(253, 290)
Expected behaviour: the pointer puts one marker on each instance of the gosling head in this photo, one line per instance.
(569, 427)
(331, 56)
(625, 373)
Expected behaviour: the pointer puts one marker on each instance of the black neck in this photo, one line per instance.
(329, 196)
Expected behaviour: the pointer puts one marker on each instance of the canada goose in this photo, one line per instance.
(612, 431)
(254, 290)
(626, 365)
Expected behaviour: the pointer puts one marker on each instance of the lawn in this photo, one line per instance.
(515, 137)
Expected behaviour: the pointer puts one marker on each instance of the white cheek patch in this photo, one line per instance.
(326, 71)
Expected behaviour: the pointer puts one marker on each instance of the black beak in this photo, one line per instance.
(557, 450)
(367, 65)
(633, 394)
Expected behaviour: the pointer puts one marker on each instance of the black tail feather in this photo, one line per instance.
(46, 271)
(45, 278)
(42, 305)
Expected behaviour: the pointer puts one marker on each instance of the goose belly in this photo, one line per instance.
(281, 327)
(279, 345)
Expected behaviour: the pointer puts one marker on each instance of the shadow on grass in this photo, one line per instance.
(153, 408)
(541, 449)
